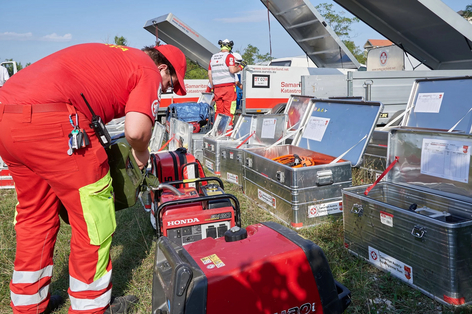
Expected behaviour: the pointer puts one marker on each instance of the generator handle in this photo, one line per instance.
(196, 180)
(344, 295)
(237, 210)
(169, 187)
(182, 275)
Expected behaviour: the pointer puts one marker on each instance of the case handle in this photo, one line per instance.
(324, 177)
(280, 176)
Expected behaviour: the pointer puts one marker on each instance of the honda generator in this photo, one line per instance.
(184, 216)
(265, 268)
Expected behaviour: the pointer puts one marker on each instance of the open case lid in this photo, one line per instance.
(335, 127)
(431, 160)
(269, 129)
(295, 110)
(221, 126)
(206, 98)
(181, 134)
(429, 30)
(174, 32)
(244, 127)
(310, 31)
(440, 103)
(116, 126)
(157, 137)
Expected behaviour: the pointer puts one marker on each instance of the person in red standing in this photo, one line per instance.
(221, 73)
(40, 106)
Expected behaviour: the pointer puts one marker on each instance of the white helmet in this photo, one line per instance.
(237, 57)
(226, 44)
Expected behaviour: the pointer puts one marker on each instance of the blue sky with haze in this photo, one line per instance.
(31, 29)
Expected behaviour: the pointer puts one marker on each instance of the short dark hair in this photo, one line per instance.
(158, 58)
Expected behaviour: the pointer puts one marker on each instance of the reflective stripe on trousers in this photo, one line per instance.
(33, 299)
(82, 304)
(30, 277)
(90, 304)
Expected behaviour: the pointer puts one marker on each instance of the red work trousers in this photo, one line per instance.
(34, 145)
(224, 97)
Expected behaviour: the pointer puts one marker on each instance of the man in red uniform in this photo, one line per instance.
(39, 108)
(221, 73)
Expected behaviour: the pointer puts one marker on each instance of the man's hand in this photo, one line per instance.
(141, 158)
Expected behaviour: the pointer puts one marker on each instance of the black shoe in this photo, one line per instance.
(121, 305)
(54, 303)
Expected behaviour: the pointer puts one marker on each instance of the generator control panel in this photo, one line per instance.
(189, 234)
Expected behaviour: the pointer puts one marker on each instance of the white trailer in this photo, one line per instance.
(391, 88)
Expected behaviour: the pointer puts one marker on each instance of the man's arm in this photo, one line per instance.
(138, 134)
(234, 69)
(210, 78)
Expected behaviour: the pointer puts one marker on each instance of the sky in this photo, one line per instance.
(32, 29)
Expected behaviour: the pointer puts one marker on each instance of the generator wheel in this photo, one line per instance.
(279, 108)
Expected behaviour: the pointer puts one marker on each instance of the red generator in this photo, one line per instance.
(184, 216)
(265, 268)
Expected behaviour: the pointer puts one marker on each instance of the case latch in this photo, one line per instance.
(357, 209)
(249, 162)
(418, 232)
(280, 176)
(223, 154)
(324, 177)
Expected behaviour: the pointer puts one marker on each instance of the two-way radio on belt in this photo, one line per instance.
(98, 126)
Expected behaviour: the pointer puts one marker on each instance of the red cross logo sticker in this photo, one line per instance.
(383, 57)
(373, 255)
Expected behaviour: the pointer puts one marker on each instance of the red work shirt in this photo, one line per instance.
(114, 79)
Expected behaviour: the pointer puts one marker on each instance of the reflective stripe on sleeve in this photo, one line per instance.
(99, 284)
(90, 304)
(31, 276)
(29, 299)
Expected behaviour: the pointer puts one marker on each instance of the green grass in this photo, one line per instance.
(373, 291)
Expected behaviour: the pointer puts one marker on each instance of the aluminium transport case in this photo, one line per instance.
(265, 268)
(267, 128)
(252, 131)
(231, 161)
(437, 103)
(219, 131)
(417, 225)
(307, 196)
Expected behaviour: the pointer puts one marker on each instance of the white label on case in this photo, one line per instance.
(232, 178)
(209, 164)
(391, 264)
(324, 209)
(446, 159)
(231, 155)
(266, 198)
(386, 219)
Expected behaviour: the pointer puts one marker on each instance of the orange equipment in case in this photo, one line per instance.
(295, 161)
